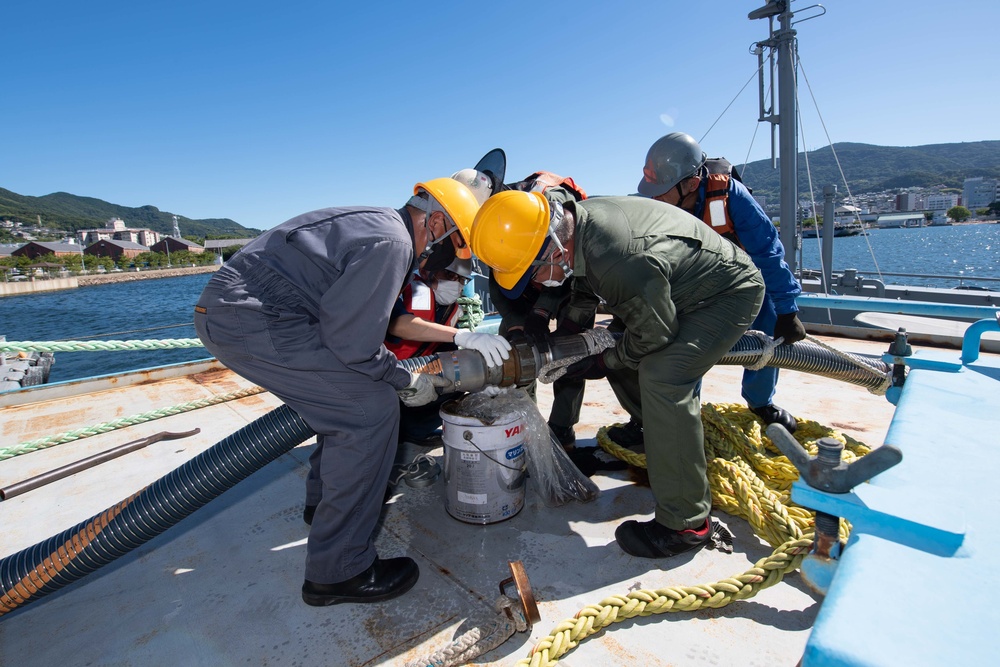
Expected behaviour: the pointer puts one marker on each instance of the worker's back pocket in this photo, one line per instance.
(229, 331)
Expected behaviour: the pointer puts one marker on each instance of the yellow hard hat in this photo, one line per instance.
(460, 204)
(508, 233)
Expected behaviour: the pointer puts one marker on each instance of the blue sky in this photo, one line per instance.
(259, 111)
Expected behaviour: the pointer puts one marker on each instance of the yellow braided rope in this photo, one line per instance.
(749, 478)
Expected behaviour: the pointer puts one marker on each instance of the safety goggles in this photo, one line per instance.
(545, 257)
(451, 275)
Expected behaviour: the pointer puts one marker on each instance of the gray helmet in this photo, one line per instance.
(669, 161)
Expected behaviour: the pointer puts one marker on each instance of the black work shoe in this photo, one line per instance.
(307, 514)
(654, 540)
(385, 579)
(772, 414)
(565, 435)
(431, 441)
(629, 435)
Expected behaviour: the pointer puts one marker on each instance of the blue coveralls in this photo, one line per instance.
(760, 240)
(302, 311)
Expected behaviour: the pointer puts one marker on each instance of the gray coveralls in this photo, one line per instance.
(685, 296)
(302, 311)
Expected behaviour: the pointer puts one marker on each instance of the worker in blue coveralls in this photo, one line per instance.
(679, 173)
(302, 311)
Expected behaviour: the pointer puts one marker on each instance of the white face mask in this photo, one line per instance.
(553, 283)
(446, 292)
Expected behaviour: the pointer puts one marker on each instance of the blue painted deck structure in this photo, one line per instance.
(913, 585)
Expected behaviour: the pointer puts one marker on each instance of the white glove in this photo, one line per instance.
(494, 348)
(422, 389)
(492, 391)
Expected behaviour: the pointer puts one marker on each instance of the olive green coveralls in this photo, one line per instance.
(685, 296)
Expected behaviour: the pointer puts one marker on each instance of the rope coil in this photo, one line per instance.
(750, 479)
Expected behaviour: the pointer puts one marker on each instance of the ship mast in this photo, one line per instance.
(783, 42)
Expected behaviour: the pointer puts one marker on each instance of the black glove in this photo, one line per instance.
(790, 328)
(588, 368)
(536, 325)
(567, 328)
(515, 336)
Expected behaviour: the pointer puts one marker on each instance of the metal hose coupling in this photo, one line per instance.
(467, 369)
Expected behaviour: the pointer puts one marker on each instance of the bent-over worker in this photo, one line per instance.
(302, 311)
(685, 296)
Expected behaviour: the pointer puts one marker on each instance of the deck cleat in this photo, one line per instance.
(827, 472)
(524, 593)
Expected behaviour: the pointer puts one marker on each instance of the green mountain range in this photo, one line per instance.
(62, 210)
(868, 168)
(871, 168)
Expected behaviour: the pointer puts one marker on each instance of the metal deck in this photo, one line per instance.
(222, 586)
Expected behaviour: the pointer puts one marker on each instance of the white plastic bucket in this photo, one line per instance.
(484, 466)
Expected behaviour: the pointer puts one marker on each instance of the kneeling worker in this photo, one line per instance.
(685, 296)
(424, 322)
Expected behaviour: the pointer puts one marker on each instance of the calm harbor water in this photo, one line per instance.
(118, 311)
(965, 251)
(162, 308)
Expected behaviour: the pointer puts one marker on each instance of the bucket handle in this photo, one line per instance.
(467, 436)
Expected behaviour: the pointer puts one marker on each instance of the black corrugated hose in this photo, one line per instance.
(62, 559)
(808, 357)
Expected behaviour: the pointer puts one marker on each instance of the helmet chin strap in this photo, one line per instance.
(429, 206)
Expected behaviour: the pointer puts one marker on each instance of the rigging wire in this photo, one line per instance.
(733, 101)
(812, 197)
(753, 138)
(119, 333)
(812, 204)
(756, 125)
(840, 169)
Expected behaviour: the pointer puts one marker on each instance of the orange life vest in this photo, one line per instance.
(716, 211)
(418, 298)
(540, 181)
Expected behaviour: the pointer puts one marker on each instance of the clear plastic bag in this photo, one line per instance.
(554, 476)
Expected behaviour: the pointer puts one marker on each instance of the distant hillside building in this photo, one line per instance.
(940, 202)
(216, 245)
(906, 201)
(117, 231)
(901, 220)
(36, 249)
(116, 249)
(173, 244)
(979, 192)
